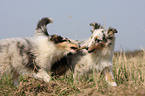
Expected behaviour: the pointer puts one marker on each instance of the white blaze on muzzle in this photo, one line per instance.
(97, 35)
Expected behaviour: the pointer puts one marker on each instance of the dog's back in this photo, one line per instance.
(33, 55)
(17, 53)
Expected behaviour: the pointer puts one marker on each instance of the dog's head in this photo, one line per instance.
(100, 38)
(60, 42)
(65, 44)
(67, 47)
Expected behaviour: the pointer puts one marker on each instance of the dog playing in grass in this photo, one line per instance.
(96, 55)
(100, 54)
(34, 55)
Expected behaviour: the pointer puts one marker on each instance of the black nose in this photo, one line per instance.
(86, 48)
(74, 48)
(90, 51)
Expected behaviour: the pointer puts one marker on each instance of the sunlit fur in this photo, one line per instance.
(99, 57)
(33, 55)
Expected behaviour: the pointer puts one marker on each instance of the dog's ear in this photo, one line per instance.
(53, 37)
(41, 28)
(96, 47)
(57, 39)
(96, 26)
(111, 32)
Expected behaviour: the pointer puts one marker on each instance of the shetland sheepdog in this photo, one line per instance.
(96, 54)
(34, 55)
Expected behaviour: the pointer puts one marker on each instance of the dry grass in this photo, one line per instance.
(129, 72)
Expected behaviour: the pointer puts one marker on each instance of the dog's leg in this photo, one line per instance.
(109, 77)
(78, 73)
(42, 74)
(15, 77)
(76, 77)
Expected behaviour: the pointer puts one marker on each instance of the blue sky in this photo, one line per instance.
(72, 18)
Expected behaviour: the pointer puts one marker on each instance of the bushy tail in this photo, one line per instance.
(41, 28)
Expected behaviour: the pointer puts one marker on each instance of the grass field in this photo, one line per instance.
(129, 72)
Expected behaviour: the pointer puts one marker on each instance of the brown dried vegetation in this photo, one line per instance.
(129, 72)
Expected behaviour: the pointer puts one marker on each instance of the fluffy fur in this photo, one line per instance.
(99, 56)
(33, 55)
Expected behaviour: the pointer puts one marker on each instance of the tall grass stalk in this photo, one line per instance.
(128, 70)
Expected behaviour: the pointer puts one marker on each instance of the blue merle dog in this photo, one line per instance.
(34, 55)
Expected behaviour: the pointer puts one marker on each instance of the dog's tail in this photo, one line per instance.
(41, 28)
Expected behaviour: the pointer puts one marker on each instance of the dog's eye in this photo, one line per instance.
(110, 38)
(64, 40)
(74, 48)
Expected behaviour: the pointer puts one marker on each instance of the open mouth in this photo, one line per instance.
(74, 49)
